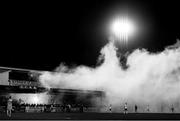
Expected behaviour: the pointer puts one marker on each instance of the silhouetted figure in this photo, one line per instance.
(148, 109)
(125, 109)
(81, 108)
(9, 107)
(68, 108)
(51, 108)
(172, 109)
(63, 108)
(135, 108)
(110, 108)
(45, 108)
(162, 108)
(42, 108)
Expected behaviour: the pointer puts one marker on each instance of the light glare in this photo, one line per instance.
(35, 99)
(122, 28)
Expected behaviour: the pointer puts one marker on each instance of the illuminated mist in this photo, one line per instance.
(38, 98)
(151, 78)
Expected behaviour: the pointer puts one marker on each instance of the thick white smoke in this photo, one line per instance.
(150, 79)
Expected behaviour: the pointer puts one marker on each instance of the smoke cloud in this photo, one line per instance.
(151, 78)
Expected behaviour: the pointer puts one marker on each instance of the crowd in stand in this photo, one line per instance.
(20, 106)
(51, 107)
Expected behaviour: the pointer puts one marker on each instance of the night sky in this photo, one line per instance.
(42, 35)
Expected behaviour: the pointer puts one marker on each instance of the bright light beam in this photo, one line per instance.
(121, 28)
(35, 99)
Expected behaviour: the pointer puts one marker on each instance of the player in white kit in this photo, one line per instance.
(125, 109)
(9, 106)
(110, 108)
(148, 109)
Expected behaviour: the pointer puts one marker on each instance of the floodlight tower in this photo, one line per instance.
(121, 29)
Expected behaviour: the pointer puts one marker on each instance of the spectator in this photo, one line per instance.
(51, 108)
(68, 108)
(27, 108)
(42, 108)
(81, 108)
(63, 108)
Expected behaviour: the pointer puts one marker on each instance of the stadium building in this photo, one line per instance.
(29, 95)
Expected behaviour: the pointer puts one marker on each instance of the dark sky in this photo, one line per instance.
(42, 35)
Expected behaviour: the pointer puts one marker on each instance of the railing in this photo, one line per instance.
(39, 109)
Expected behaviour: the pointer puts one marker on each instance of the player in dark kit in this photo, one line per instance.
(110, 108)
(9, 106)
(135, 108)
(148, 109)
(172, 109)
